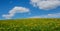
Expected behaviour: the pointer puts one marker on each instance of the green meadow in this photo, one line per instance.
(30, 24)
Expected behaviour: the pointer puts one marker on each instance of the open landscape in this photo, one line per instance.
(29, 15)
(30, 24)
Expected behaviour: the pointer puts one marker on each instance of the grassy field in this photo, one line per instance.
(32, 24)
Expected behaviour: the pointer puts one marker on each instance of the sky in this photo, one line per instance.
(12, 9)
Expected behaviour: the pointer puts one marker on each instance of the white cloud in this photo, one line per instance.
(45, 4)
(15, 10)
(56, 15)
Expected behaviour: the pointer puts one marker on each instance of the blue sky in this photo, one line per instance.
(36, 9)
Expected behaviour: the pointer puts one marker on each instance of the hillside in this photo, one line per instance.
(32, 24)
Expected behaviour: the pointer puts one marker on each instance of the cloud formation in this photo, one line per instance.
(56, 15)
(15, 10)
(45, 4)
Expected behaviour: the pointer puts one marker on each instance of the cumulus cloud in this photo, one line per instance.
(45, 4)
(15, 10)
(56, 15)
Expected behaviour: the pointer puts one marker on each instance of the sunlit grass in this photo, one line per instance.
(32, 24)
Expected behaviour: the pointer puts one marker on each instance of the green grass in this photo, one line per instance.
(32, 24)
